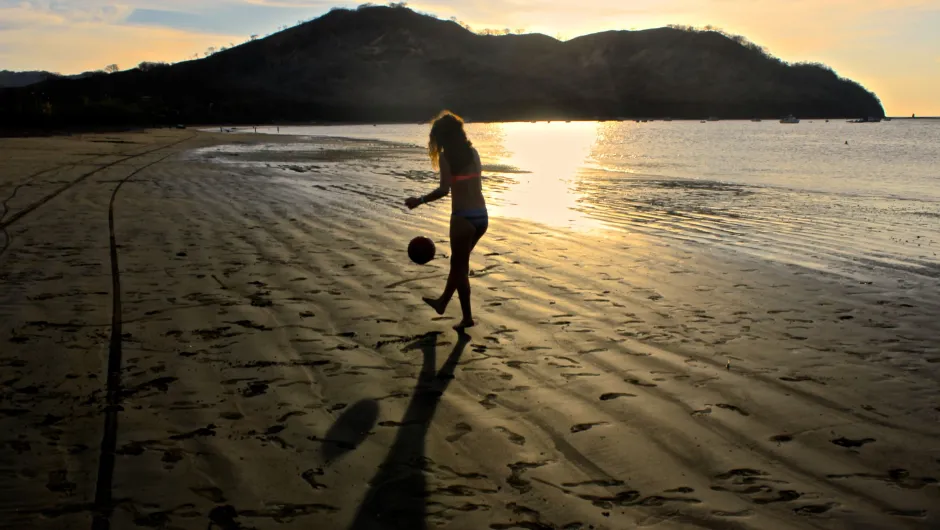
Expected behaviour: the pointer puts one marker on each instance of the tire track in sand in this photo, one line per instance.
(32, 207)
(7, 239)
(103, 504)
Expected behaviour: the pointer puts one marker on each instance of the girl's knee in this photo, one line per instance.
(461, 260)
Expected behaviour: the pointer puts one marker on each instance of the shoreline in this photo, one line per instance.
(278, 360)
(21, 132)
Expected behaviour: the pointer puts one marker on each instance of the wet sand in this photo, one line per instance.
(252, 344)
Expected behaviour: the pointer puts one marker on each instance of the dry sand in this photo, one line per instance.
(278, 369)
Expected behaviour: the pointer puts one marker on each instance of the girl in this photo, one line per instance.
(459, 164)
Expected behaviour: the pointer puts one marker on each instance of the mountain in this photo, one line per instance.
(21, 79)
(18, 79)
(392, 64)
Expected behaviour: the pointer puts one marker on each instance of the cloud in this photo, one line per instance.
(62, 11)
(227, 18)
(17, 17)
(81, 47)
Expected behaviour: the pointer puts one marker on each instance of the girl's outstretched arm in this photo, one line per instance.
(442, 190)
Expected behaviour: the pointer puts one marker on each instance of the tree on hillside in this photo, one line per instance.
(111, 68)
(147, 66)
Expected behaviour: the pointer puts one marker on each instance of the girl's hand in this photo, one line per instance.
(412, 202)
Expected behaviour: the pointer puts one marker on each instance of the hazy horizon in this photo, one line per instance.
(891, 47)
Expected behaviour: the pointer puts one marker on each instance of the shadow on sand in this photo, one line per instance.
(397, 493)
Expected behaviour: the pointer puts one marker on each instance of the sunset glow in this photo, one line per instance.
(551, 156)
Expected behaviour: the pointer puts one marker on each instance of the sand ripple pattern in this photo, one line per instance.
(279, 370)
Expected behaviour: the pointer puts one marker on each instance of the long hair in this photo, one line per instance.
(448, 137)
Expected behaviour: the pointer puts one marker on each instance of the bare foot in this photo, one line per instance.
(435, 304)
(464, 324)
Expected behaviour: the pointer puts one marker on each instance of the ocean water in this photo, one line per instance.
(858, 200)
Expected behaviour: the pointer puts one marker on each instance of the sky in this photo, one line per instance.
(892, 47)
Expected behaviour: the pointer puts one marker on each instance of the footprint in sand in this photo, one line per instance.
(849, 443)
(570, 376)
(251, 325)
(210, 493)
(310, 477)
(487, 402)
(515, 438)
(754, 484)
(208, 430)
(255, 389)
(637, 382)
(740, 513)
(908, 513)
(814, 509)
(535, 348)
(580, 427)
(515, 479)
(392, 423)
(607, 483)
(59, 482)
(517, 364)
(614, 395)
(796, 378)
(732, 408)
(460, 430)
(171, 457)
(284, 417)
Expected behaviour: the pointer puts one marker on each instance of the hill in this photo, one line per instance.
(392, 64)
(19, 79)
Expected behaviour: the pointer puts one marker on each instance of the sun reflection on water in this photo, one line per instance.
(545, 161)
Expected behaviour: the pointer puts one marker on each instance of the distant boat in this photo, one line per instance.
(790, 119)
(704, 121)
(870, 119)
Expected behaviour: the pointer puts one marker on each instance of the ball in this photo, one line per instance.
(421, 250)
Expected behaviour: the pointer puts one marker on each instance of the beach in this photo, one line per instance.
(243, 327)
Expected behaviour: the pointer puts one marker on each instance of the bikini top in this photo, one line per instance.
(458, 178)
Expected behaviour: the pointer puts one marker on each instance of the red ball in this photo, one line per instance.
(421, 250)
